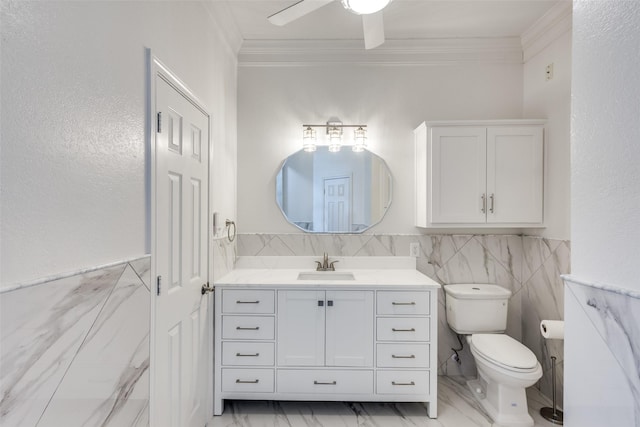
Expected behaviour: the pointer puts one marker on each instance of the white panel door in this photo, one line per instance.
(349, 328)
(515, 174)
(181, 354)
(458, 163)
(337, 204)
(301, 317)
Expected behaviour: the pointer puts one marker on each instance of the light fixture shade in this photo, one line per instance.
(360, 140)
(365, 7)
(309, 139)
(335, 139)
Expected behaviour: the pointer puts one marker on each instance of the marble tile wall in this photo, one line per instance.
(603, 331)
(529, 266)
(75, 351)
(224, 256)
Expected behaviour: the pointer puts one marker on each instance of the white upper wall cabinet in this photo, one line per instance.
(479, 174)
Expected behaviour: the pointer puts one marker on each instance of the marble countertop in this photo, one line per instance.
(256, 273)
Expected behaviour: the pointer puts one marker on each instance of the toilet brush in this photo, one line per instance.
(553, 415)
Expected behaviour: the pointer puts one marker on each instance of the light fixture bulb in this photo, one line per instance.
(360, 139)
(365, 7)
(309, 139)
(335, 139)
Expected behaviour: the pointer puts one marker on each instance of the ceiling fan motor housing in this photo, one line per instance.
(365, 7)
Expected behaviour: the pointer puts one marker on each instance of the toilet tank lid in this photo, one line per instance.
(477, 291)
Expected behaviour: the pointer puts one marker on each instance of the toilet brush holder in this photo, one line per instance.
(553, 415)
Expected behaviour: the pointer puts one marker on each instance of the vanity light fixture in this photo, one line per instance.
(335, 139)
(334, 131)
(360, 140)
(309, 139)
(365, 7)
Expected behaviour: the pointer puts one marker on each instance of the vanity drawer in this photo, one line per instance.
(398, 303)
(248, 353)
(402, 328)
(325, 381)
(248, 327)
(247, 380)
(402, 355)
(402, 382)
(248, 301)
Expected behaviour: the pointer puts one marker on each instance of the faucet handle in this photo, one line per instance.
(332, 266)
(319, 267)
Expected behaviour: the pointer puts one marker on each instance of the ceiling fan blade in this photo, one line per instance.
(373, 26)
(296, 10)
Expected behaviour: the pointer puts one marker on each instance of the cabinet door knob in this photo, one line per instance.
(320, 303)
(247, 355)
(241, 328)
(484, 203)
(325, 383)
(239, 381)
(492, 199)
(403, 303)
(403, 330)
(248, 302)
(413, 356)
(397, 383)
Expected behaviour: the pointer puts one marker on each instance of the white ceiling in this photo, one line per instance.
(404, 19)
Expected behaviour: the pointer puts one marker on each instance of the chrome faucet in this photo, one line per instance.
(325, 265)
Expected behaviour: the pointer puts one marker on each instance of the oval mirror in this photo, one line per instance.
(343, 192)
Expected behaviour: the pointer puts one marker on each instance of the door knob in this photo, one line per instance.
(206, 288)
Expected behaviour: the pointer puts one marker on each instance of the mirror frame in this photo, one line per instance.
(282, 164)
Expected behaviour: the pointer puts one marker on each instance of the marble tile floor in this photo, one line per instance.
(456, 408)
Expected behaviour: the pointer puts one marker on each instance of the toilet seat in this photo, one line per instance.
(504, 351)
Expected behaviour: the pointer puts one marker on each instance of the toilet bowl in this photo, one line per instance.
(505, 369)
(505, 366)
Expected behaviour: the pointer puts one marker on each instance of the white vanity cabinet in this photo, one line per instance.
(325, 328)
(338, 343)
(479, 174)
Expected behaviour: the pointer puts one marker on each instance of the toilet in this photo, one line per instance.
(505, 366)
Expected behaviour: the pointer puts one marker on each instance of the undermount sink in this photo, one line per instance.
(325, 275)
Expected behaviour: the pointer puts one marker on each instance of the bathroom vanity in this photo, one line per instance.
(358, 334)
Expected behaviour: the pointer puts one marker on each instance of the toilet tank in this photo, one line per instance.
(476, 308)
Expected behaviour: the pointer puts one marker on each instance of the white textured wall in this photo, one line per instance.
(273, 103)
(73, 118)
(605, 176)
(551, 99)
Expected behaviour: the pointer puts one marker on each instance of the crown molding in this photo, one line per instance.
(289, 53)
(553, 24)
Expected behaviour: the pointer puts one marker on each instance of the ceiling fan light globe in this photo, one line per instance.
(365, 7)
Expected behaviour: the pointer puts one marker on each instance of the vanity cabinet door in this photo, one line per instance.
(349, 332)
(332, 328)
(301, 318)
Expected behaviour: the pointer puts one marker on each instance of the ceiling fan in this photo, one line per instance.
(371, 11)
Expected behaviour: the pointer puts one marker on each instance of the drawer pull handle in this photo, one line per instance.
(248, 302)
(321, 383)
(403, 303)
(241, 328)
(396, 383)
(413, 356)
(247, 355)
(239, 381)
(403, 330)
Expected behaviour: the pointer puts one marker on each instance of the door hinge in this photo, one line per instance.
(158, 285)
(159, 122)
